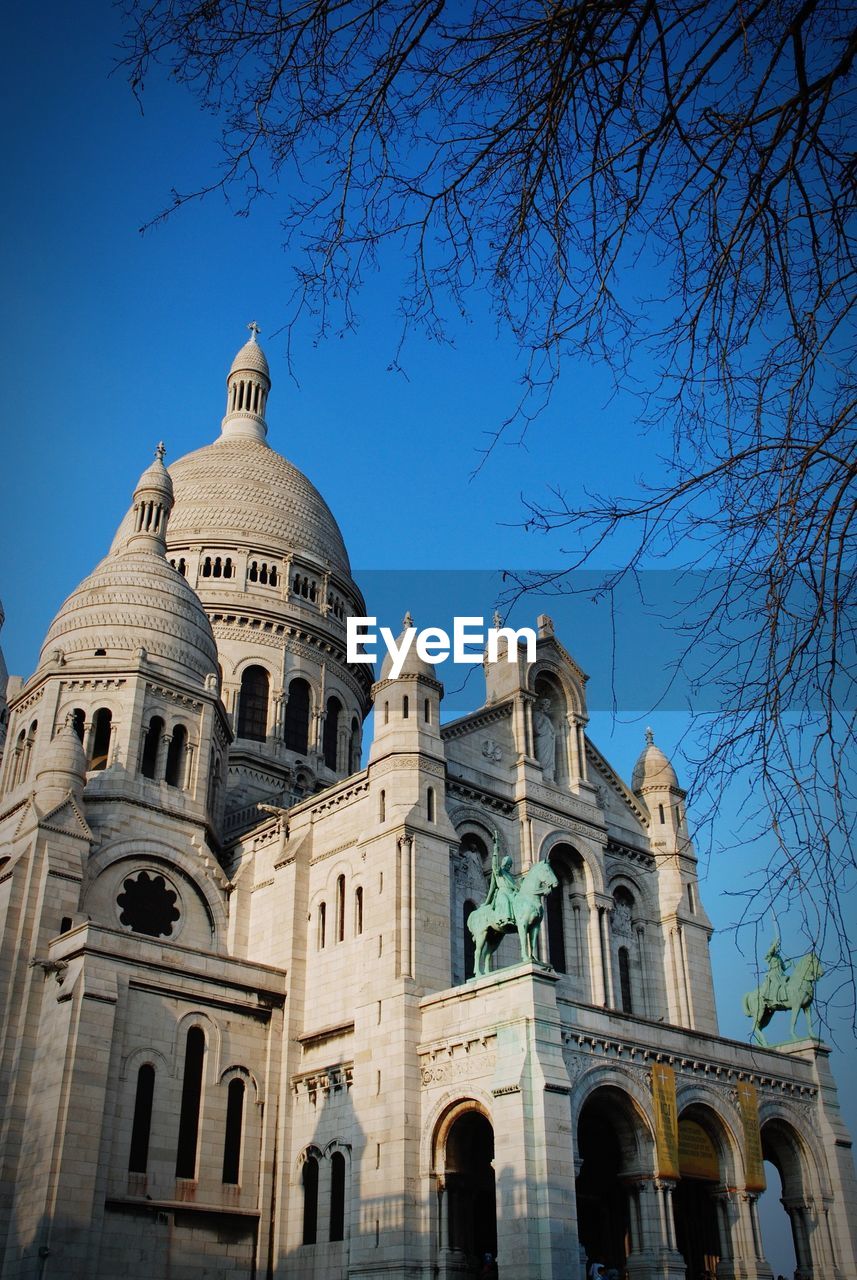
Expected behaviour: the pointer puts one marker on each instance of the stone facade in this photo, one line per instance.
(240, 1035)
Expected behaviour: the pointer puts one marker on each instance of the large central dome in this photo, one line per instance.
(241, 490)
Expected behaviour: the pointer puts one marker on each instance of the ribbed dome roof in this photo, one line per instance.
(653, 769)
(251, 357)
(239, 488)
(135, 599)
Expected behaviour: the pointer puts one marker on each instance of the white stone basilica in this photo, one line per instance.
(240, 1032)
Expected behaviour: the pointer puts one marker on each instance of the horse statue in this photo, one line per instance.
(794, 991)
(509, 906)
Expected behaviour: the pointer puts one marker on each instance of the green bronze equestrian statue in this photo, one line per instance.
(509, 905)
(783, 990)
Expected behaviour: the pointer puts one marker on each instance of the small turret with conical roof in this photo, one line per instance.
(407, 705)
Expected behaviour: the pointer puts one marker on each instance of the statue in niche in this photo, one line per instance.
(622, 918)
(545, 735)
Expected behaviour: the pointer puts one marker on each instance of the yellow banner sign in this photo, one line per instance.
(697, 1154)
(748, 1103)
(666, 1120)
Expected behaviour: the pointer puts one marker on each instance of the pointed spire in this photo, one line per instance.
(407, 621)
(247, 388)
(650, 737)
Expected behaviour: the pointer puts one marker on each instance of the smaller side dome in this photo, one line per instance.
(413, 664)
(63, 766)
(153, 502)
(653, 769)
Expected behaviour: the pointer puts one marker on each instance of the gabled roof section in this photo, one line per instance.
(618, 787)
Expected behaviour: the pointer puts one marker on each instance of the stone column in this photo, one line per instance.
(161, 760)
(405, 851)
(111, 746)
(189, 755)
(798, 1210)
(596, 964)
(640, 934)
(606, 954)
(572, 747)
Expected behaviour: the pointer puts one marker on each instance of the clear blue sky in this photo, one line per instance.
(113, 341)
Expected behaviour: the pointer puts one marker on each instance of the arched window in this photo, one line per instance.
(322, 924)
(138, 1157)
(340, 908)
(427, 710)
(78, 721)
(331, 732)
(382, 807)
(386, 713)
(309, 1179)
(176, 753)
(101, 723)
(469, 944)
(625, 981)
(232, 1139)
(188, 1142)
(297, 717)
(354, 746)
(430, 804)
(358, 910)
(151, 742)
(337, 1196)
(405, 707)
(253, 704)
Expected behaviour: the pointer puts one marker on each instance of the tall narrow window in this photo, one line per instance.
(322, 923)
(340, 908)
(138, 1157)
(405, 707)
(354, 746)
(176, 754)
(556, 930)
(469, 944)
(430, 804)
(194, 1059)
(100, 738)
(337, 1196)
(78, 721)
(427, 710)
(331, 732)
(232, 1140)
(382, 807)
(151, 742)
(309, 1178)
(625, 980)
(297, 717)
(358, 910)
(661, 813)
(253, 705)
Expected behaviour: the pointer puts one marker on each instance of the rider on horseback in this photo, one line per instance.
(775, 987)
(502, 888)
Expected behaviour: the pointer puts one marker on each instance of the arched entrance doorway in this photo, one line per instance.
(702, 1227)
(614, 1150)
(464, 1163)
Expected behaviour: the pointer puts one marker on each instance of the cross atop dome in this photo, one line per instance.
(254, 331)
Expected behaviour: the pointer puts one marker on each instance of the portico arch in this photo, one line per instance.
(615, 1157)
(785, 1149)
(463, 1168)
(707, 1215)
